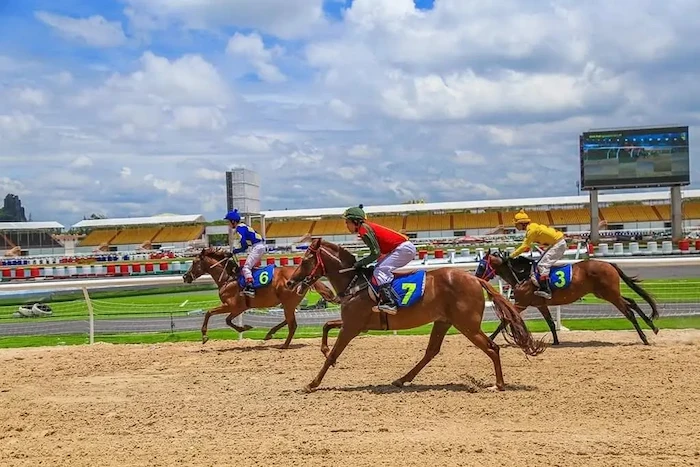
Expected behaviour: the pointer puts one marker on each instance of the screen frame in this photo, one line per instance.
(587, 186)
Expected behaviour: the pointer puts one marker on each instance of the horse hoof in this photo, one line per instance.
(267, 337)
(205, 339)
(656, 330)
(398, 383)
(495, 388)
(247, 327)
(309, 389)
(284, 347)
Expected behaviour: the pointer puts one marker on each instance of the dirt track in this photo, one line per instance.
(600, 399)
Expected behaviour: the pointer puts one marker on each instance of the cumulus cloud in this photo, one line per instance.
(251, 48)
(379, 104)
(95, 31)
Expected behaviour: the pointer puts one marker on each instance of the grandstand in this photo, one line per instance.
(32, 238)
(133, 233)
(620, 211)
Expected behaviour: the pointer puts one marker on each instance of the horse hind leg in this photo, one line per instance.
(621, 304)
(274, 329)
(437, 335)
(489, 347)
(639, 311)
(229, 321)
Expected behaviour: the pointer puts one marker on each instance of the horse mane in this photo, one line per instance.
(345, 256)
(217, 253)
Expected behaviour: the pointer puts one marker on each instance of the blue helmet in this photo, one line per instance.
(233, 216)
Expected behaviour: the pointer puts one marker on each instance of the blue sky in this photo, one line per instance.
(137, 107)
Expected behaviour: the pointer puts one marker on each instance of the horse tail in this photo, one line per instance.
(325, 292)
(632, 284)
(514, 324)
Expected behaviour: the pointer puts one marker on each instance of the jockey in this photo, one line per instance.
(248, 238)
(545, 235)
(396, 248)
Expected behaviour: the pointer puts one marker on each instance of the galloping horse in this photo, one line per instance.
(214, 263)
(446, 297)
(569, 283)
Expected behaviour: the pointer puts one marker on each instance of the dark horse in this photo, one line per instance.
(217, 263)
(600, 278)
(451, 297)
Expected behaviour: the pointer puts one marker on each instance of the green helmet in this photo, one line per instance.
(354, 214)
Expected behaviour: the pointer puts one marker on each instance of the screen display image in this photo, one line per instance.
(635, 158)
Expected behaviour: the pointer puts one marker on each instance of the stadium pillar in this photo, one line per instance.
(262, 225)
(676, 214)
(595, 218)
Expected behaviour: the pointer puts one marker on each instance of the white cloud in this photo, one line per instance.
(32, 96)
(17, 125)
(469, 158)
(81, 161)
(209, 174)
(381, 104)
(95, 31)
(250, 143)
(251, 48)
(283, 18)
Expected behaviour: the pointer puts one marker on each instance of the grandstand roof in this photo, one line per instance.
(153, 220)
(30, 225)
(485, 204)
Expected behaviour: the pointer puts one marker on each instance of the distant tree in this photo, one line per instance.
(12, 210)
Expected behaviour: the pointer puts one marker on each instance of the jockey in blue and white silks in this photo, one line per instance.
(248, 238)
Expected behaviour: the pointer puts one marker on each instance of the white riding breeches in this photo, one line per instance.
(401, 256)
(550, 256)
(256, 252)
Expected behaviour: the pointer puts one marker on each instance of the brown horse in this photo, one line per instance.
(600, 278)
(451, 298)
(215, 263)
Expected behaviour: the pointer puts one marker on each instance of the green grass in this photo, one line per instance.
(112, 306)
(616, 324)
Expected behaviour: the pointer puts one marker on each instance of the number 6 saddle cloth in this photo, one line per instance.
(262, 277)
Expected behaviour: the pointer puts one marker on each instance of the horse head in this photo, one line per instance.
(321, 259)
(201, 264)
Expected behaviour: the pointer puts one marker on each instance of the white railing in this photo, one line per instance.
(678, 299)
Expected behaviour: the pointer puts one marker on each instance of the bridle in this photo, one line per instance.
(223, 269)
(311, 278)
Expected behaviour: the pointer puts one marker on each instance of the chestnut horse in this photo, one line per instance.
(600, 278)
(215, 262)
(451, 297)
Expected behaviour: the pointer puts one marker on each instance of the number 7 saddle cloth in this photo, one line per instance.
(408, 288)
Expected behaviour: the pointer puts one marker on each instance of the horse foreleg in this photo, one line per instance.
(229, 321)
(550, 322)
(437, 335)
(333, 324)
(214, 311)
(274, 329)
(291, 320)
(344, 338)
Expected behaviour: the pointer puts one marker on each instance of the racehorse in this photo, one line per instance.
(569, 283)
(268, 293)
(446, 297)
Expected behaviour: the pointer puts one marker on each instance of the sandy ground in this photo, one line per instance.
(600, 399)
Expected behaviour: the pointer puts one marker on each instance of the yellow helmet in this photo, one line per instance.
(521, 218)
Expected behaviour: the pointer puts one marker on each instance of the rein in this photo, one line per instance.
(312, 277)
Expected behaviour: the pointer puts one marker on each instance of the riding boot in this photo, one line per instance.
(544, 291)
(248, 289)
(387, 301)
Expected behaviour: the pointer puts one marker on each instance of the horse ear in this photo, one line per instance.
(316, 242)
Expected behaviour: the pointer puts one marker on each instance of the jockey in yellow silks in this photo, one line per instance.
(552, 239)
